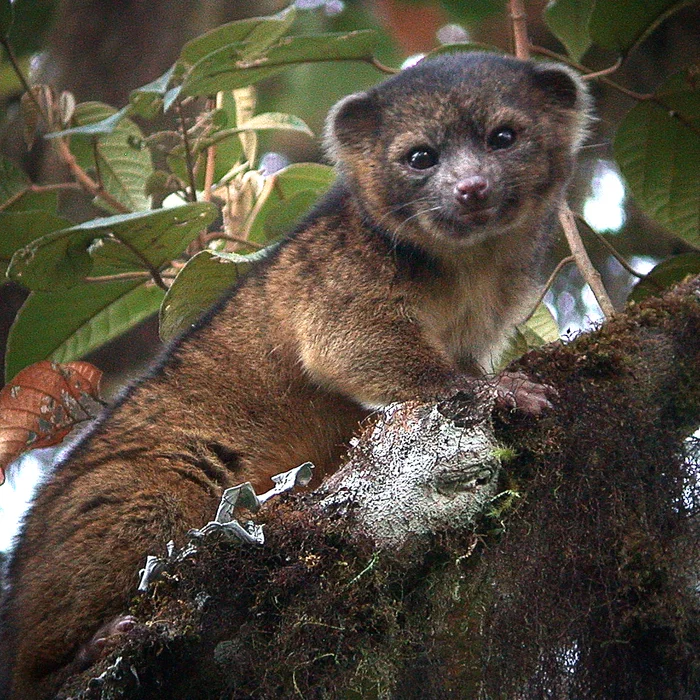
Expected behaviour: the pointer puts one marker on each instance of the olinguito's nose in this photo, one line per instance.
(471, 190)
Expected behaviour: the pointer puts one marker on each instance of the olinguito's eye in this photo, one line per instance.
(502, 137)
(422, 158)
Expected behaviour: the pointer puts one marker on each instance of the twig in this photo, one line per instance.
(380, 66)
(125, 276)
(613, 251)
(18, 72)
(153, 271)
(518, 18)
(39, 188)
(605, 71)
(191, 196)
(560, 265)
(583, 262)
(637, 96)
(87, 183)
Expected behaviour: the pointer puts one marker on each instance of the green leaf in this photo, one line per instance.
(6, 17)
(658, 151)
(199, 285)
(666, 274)
(540, 328)
(20, 228)
(147, 101)
(60, 260)
(281, 220)
(257, 33)
(289, 182)
(622, 24)
(229, 151)
(35, 201)
(13, 182)
(268, 121)
(15, 194)
(231, 67)
(568, 21)
(123, 163)
(98, 128)
(275, 120)
(64, 326)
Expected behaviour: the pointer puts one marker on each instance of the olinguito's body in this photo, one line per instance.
(403, 283)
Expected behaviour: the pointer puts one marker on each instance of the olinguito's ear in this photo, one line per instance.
(350, 122)
(562, 87)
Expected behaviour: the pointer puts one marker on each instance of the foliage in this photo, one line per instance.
(93, 280)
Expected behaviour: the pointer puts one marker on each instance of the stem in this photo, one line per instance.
(154, 273)
(560, 265)
(192, 195)
(613, 251)
(123, 276)
(86, 182)
(583, 262)
(381, 67)
(39, 188)
(518, 18)
(18, 72)
(638, 96)
(606, 71)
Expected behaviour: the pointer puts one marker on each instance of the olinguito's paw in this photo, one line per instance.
(93, 650)
(516, 391)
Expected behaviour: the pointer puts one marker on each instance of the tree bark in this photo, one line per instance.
(464, 552)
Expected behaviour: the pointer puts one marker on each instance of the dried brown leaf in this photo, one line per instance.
(42, 404)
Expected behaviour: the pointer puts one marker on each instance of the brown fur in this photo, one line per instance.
(361, 306)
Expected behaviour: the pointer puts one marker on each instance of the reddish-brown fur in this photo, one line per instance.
(357, 308)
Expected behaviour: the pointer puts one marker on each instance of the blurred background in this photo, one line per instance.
(103, 49)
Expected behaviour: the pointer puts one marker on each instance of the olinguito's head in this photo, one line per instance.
(461, 147)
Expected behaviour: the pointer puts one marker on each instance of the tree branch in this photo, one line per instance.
(387, 580)
(583, 262)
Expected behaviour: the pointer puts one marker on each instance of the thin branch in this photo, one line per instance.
(613, 251)
(18, 72)
(85, 180)
(637, 96)
(125, 276)
(583, 262)
(153, 271)
(640, 97)
(192, 196)
(39, 188)
(96, 157)
(54, 186)
(606, 71)
(381, 67)
(560, 265)
(518, 18)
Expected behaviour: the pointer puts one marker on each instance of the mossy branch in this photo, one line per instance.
(598, 554)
